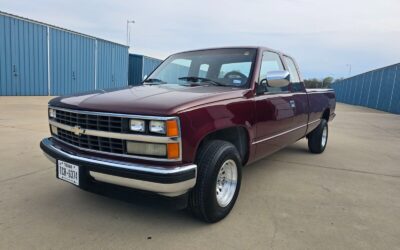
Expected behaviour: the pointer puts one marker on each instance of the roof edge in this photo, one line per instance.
(372, 70)
(57, 27)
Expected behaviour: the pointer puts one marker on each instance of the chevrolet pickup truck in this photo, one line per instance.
(190, 128)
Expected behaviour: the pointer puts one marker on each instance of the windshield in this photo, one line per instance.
(221, 67)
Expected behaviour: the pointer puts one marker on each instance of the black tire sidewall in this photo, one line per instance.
(212, 205)
(209, 164)
(315, 139)
(327, 135)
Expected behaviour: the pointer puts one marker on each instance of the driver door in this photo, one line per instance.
(274, 111)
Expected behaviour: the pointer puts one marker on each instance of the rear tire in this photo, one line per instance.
(318, 138)
(218, 181)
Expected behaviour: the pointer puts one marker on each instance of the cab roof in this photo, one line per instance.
(236, 47)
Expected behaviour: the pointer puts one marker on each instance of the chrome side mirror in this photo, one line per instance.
(278, 79)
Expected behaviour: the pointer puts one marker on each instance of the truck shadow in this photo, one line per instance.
(138, 197)
(299, 147)
(146, 205)
(141, 199)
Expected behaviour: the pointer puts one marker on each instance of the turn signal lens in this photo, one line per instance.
(173, 150)
(172, 128)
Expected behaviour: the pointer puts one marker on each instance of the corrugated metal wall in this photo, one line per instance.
(23, 57)
(377, 89)
(72, 63)
(149, 64)
(41, 59)
(112, 65)
(135, 69)
(139, 66)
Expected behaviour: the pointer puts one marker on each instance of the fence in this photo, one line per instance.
(377, 89)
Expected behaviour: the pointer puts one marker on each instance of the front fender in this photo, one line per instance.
(196, 124)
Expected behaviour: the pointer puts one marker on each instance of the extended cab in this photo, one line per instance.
(189, 129)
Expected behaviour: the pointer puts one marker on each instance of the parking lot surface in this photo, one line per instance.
(346, 198)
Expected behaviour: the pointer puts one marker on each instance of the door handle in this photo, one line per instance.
(292, 104)
(15, 70)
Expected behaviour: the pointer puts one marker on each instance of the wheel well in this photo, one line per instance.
(326, 114)
(238, 136)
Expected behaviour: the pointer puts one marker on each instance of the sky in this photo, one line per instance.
(326, 37)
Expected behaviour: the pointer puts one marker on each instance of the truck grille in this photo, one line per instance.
(95, 122)
(92, 142)
(107, 132)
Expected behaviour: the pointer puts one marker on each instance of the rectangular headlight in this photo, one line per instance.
(137, 125)
(157, 127)
(142, 148)
(52, 113)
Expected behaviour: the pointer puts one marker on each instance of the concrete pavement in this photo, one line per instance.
(346, 198)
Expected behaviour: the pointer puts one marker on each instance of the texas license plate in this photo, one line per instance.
(68, 172)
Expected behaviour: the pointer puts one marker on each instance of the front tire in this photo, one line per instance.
(318, 138)
(218, 181)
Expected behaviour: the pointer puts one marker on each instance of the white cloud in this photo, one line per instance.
(322, 35)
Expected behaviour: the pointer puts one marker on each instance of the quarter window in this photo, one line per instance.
(294, 75)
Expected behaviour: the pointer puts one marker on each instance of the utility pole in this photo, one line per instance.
(128, 35)
(349, 65)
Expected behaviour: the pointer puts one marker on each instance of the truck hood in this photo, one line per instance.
(165, 99)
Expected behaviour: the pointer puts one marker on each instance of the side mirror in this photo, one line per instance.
(278, 79)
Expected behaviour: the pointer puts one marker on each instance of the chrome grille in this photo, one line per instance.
(106, 132)
(92, 142)
(95, 122)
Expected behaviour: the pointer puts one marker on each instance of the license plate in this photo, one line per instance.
(68, 172)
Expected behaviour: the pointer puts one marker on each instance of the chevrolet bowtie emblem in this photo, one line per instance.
(77, 130)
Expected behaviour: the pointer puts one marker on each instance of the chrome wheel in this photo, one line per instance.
(324, 136)
(226, 183)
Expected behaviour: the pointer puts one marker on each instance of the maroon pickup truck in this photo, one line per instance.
(190, 128)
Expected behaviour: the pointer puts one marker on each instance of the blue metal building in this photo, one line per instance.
(140, 66)
(42, 59)
(377, 89)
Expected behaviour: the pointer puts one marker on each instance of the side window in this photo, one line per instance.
(271, 62)
(294, 75)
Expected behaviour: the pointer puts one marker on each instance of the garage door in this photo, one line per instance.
(23, 60)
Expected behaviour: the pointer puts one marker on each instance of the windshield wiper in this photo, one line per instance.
(154, 81)
(201, 79)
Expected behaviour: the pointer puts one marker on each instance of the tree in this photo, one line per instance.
(317, 83)
(312, 83)
(327, 81)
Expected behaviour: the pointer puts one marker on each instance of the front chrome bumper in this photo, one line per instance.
(167, 181)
